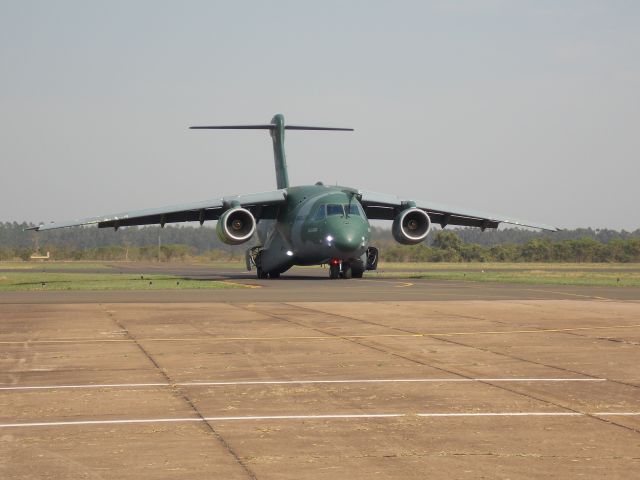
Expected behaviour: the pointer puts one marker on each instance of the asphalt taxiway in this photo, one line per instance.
(311, 284)
(321, 379)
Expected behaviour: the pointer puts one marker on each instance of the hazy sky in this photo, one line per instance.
(531, 109)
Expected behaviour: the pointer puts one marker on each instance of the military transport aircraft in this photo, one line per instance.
(305, 225)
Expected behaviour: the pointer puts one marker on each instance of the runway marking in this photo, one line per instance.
(316, 337)
(567, 294)
(245, 285)
(401, 284)
(314, 417)
(297, 382)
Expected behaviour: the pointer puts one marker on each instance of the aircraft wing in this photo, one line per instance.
(260, 204)
(381, 206)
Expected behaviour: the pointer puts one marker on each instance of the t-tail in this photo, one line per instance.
(276, 128)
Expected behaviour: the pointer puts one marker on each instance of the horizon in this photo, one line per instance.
(528, 110)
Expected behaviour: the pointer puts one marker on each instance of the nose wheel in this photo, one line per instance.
(334, 271)
(346, 270)
(338, 269)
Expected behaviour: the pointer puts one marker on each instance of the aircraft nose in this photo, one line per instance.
(347, 241)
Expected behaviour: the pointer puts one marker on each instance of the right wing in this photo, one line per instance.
(261, 205)
(382, 206)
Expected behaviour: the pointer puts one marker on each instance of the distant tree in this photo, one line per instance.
(537, 250)
(447, 240)
(451, 245)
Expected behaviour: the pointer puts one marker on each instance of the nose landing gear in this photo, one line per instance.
(340, 269)
(334, 269)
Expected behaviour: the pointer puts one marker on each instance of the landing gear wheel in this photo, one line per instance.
(347, 272)
(261, 273)
(357, 271)
(274, 274)
(334, 271)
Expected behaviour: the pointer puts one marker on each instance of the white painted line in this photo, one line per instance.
(96, 385)
(618, 414)
(299, 382)
(397, 380)
(504, 414)
(100, 422)
(312, 417)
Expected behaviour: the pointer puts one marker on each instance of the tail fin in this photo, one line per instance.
(277, 128)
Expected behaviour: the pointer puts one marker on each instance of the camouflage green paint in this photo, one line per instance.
(309, 240)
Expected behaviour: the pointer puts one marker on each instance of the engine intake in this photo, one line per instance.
(411, 226)
(236, 226)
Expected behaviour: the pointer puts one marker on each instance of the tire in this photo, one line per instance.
(347, 271)
(261, 273)
(356, 273)
(334, 272)
(274, 274)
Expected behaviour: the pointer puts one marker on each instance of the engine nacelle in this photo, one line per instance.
(236, 226)
(411, 226)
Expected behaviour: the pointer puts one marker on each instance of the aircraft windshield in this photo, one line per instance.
(319, 213)
(334, 209)
(352, 209)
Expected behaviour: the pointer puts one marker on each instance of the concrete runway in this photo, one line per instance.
(321, 379)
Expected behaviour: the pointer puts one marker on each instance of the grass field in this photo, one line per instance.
(622, 275)
(41, 281)
(408, 266)
(48, 275)
(45, 266)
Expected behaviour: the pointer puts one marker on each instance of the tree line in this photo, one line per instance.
(448, 246)
(455, 245)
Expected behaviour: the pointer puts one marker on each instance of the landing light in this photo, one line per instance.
(290, 253)
(329, 238)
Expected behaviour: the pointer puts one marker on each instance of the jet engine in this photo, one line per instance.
(411, 226)
(236, 226)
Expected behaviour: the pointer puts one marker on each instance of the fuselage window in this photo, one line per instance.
(352, 209)
(334, 209)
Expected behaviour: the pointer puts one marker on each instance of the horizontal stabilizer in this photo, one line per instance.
(300, 127)
(267, 127)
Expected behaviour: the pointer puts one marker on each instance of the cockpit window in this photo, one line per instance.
(319, 213)
(352, 209)
(334, 209)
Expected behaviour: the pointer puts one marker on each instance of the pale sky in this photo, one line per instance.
(530, 109)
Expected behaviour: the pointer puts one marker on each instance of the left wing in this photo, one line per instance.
(261, 205)
(381, 206)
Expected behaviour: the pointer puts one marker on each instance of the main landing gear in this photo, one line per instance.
(252, 258)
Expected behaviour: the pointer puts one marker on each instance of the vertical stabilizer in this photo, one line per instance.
(276, 128)
(279, 157)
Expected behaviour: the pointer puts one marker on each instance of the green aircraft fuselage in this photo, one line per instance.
(318, 224)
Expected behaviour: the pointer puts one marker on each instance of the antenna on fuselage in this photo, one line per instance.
(277, 128)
